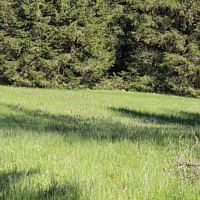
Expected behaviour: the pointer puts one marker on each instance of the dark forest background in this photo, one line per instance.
(136, 45)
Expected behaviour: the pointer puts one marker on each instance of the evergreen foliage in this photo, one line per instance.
(149, 45)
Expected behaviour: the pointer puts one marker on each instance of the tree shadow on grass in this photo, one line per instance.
(77, 126)
(185, 118)
(16, 184)
(7, 178)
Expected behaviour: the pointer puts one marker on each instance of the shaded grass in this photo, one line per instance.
(12, 187)
(92, 127)
(184, 118)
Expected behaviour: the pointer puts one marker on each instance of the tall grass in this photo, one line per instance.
(58, 144)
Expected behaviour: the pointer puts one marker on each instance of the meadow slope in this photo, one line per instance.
(88, 144)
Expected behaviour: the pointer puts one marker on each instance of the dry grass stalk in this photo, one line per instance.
(189, 168)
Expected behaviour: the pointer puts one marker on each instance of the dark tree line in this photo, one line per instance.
(143, 45)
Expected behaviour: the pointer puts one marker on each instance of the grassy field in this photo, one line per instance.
(58, 144)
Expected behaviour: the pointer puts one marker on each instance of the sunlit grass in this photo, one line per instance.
(58, 144)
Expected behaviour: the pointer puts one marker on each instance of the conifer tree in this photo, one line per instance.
(149, 45)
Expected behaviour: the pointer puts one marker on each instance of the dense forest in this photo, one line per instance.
(136, 45)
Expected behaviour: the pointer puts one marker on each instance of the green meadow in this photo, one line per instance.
(88, 144)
